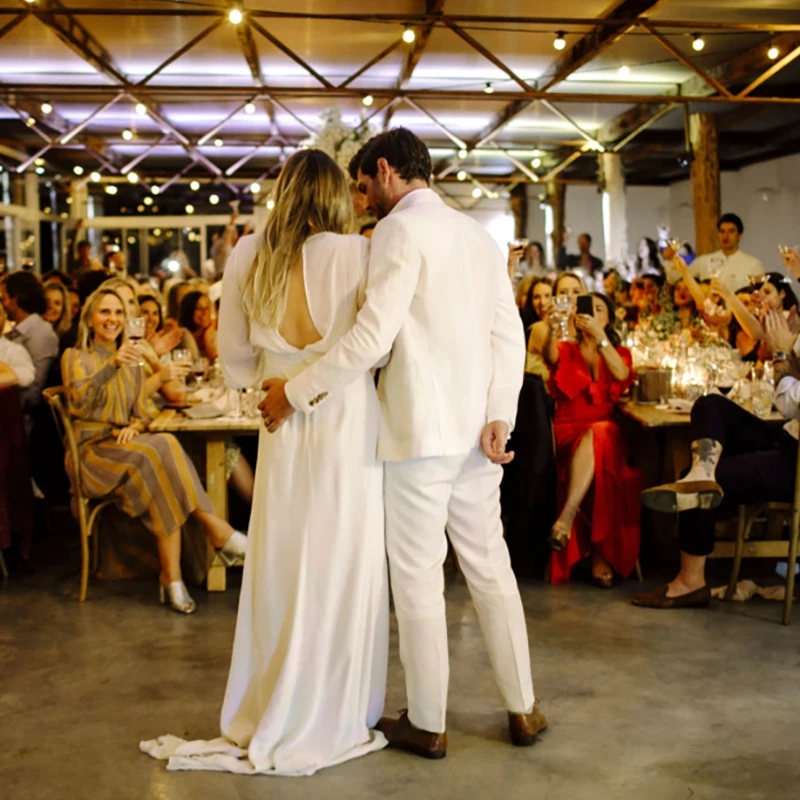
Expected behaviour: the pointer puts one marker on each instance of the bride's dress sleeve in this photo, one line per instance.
(238, 357)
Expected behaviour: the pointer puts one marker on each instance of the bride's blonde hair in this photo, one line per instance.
(311, 196)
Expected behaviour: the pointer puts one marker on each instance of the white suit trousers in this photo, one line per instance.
(461, 493)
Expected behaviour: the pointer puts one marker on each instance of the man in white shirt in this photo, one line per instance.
(16, 367)
(439, 297)
(736, 266)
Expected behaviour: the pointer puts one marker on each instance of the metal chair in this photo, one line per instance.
(86, 509)
(770, 548)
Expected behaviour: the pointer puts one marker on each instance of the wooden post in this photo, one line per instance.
(705, 181)
(615, 210)
(217, 489)
(556, 197)
(519, 208)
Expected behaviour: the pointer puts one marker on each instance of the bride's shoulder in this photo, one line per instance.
(341, 243)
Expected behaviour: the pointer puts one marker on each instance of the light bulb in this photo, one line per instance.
(489, 89)
(477, 192)
(194, 185)
(214, 199)
(559, 42)
(409, 35)
(255, 188)
(39, 162)
(133, 177)
(155, 189)
(536, 163)
(536, 153)
(699, 42)
(624, 70)
(69, 201)
(250, 108)
(95, 176)
(235, 16)
(140, 208)
(141, 109)
(367, 100)
(148, 201)
(462, 153)
(111, 189)
(156, 231)
(218, 142)
(131, 240)
(39, 170)
(77, 169)
(773, 53)
(127, 135)
(46, 108)
(190, 209)
(270, 204)
(30, 122)
(461, 175)
(173, 266)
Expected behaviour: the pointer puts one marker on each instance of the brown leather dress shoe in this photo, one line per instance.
(400, 733)
(525, 727)
(699, 598)
(682, 496)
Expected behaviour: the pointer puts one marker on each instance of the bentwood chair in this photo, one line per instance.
(770, 548)
(85, 509)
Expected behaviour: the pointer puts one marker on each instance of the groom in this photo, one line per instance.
(438, 296)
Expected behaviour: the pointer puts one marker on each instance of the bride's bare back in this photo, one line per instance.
(297, 327)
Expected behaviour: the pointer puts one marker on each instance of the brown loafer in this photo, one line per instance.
(699, 598)
(525, 727)
(400, 733)
(682, 496)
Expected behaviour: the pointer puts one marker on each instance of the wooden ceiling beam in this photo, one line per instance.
(182, 51)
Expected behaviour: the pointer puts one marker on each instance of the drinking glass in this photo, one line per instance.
(135, 328)
(715, 265)
(756, 281)
(762, 396)
(562, 305)
(675, 244)
(199, 370)
(181, 355)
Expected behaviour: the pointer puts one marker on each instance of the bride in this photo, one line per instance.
(308, 672)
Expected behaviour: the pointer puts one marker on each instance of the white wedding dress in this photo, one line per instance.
(308, 673)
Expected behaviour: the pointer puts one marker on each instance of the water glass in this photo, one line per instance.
(185, 356)
(762, 396)
(562, 306)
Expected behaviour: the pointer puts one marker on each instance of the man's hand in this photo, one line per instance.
(493, 443)
(275, 407)
(779, 335)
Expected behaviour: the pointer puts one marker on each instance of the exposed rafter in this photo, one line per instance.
(371, 63)
(11, 24)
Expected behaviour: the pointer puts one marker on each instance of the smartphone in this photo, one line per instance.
(585, 305)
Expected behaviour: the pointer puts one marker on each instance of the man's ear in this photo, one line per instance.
(384, 170)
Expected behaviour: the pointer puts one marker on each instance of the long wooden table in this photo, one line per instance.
(215, 432)
(649, 416)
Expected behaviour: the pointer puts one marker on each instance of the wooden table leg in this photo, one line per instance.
(217, 488)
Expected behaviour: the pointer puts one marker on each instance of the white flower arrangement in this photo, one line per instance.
(339, 140)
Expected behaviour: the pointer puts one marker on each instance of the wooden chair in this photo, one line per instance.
(87, 509)
(770, 548)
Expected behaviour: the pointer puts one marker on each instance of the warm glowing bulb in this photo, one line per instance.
(127, 135)
(148, 201)
(270, 204)
(190, 209)
(477, 192)
(46, 108)
(95, 176)
(462, 153)
(111, 189)
(78, 170)
(155, 189)
(536, 163)
(250, 108)
(235, 16)
(156, 231)
(69, 201)
(133, 177)
(255, 188)
(39, 170)
(536, 153)
(559, 42)
(489, 89)
(773, 53)
(367, 100)
(624, 70)
(141, 109)
(39, 162)
(461, 175)
(218, 142)
(409, 35)
(699, 43)
(214, 199)
(30, 122)
(194, 185)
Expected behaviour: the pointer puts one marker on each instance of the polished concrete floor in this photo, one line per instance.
(642, 704)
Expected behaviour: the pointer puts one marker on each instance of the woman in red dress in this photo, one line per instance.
(597, 491)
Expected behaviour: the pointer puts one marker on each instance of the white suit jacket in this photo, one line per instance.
(438, 296)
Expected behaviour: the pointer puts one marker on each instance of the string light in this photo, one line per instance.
(133, 177)
(255, 188)
(214, 199)
(367, 100)
(46, 108)
(409, 35)
(194, 185)
(127, 135)
(39, 162)
(559, 42)
(536, 153)
(148, 201)
(489, 89)
(140, 208)
(477, 192)
(270, 204)
(69, 201)
(30, 122)
(141, 109)
(39, 170)
(624, 70)
(250, 108)
(218, 142)
(773, 53)
(235, 16)
(536, 163)
(699, 42)
(155, 189)
(461, 175)
(95, 176)
(77, 169)
(111, 189)
(190, 209)
(462, 153)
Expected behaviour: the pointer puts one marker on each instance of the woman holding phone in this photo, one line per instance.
(598, 513)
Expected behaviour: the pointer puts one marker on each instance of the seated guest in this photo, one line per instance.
(534, 258)
(23, 297)
(86, 286)
(776, 293)
(598, 514)
(126, 288)
(746, 331)
(149, 475)
(59, 308)
(16, 366)
(196, 317)
(695, 300)
(174, 291)
(645, 291)
(647, 258)
(567, 284)
(537, 298)
(583, 260)
(57, 275)
(736, 458)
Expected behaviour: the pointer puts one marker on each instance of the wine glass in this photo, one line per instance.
(715, 265)
(181, 355)
(135, 329)
(756, 281)
(562, 305)
(199, 370)
(675, 244)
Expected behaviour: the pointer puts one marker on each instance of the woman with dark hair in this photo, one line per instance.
(647, 257)
(535, 257)
(537, 302)
(597, 490)
(776, 292)
(195, 316)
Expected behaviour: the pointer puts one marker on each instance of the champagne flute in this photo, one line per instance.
(715, 265)
(135, 329)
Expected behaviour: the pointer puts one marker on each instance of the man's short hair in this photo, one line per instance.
(89, 282)
(84, 244)
(588, 238)
(733, 218)
(403, 150)
(27, 291)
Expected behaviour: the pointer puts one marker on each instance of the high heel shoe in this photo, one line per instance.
(234, 550)
(178, 597)
(560, 534)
